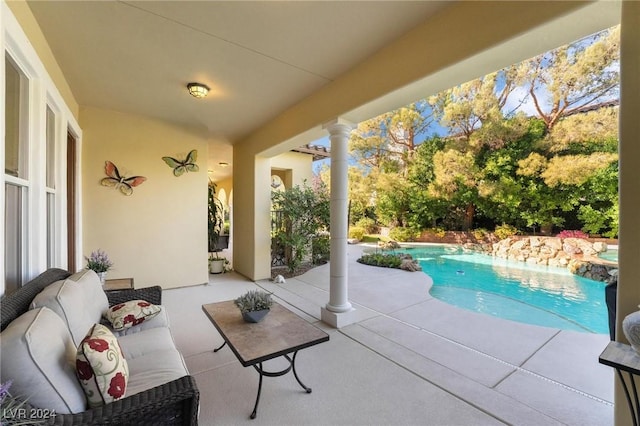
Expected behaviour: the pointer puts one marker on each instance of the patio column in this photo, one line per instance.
(338, 312)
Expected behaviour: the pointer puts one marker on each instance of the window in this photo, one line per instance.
(50, 186)
(16, 120)
(16, 174)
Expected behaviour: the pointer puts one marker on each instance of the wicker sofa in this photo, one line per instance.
(172, 403)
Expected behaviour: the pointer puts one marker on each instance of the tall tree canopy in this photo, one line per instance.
(563, 80)
(492, 163)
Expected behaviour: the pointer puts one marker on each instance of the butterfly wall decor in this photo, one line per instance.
(187, 165)
(115, 180)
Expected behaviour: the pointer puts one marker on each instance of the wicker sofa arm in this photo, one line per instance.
(173, 403)
(150, 294)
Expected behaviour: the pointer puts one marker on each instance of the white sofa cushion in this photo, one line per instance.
(154, 369)
(146, 342)
(96, 299)
(67, 299)
(83, 302)
(38, 354)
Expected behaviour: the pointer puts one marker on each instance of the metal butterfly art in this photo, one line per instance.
(114, 180)
(187, 165)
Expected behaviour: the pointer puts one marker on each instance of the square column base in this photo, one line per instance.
(338, 319)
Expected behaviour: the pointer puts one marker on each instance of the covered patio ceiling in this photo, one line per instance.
(263, 59)
(259, 58)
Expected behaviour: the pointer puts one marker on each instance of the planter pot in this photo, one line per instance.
(255, 316)
(631, 329)
(102, 276)
(216, 266)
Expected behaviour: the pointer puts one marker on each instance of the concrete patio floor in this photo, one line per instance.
(409, 359)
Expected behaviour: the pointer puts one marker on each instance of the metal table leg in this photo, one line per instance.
(262, 373)
(221, 346)
(635, 410)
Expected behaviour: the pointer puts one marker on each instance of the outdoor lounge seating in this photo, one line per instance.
(45, 321)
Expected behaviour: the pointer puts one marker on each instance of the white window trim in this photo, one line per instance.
(42, 92)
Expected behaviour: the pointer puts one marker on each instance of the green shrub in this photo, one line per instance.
(381, 259)
(480, 233)
(368, 224)
(356, 232)
(438, 232)
(505, 231)
(320, 250)
(403, 234)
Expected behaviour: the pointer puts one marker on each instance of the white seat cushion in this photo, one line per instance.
(38, 354)
(146, 342)
(154, 369)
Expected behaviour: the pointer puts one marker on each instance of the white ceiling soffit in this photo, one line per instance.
(258, 58)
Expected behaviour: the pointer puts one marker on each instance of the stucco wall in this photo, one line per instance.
(158, 235)
(297, 167)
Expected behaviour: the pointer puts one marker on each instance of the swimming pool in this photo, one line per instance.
(539, 295)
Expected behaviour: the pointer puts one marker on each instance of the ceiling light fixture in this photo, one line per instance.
(198, 90)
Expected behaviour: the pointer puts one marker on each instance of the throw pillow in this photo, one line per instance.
(101, 368)
(128, 314)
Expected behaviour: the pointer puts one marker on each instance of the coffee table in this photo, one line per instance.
(279, 334)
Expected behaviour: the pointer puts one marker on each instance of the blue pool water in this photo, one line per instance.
(540, 295)
(611, 255)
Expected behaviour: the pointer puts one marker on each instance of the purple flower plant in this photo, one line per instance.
(4, 389)
(99, 261)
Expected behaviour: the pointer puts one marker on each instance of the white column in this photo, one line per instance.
(338, 311)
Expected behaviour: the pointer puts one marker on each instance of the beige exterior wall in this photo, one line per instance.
(629, 241)
(158, 235)
(294, 168)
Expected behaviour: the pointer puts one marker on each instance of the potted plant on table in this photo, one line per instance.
(254, 305)
(99, 262)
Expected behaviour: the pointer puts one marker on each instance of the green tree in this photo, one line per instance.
(465, 108)
(387, 142)
(573, 76)
(305, 213)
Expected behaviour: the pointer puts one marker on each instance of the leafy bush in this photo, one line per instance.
(381, 259)
(368, 224)
(356, 232)
(572, 234)
(320, 249)
(480, 233)
(305, 212)
(438, 232)
(505, 231)
(403, 234)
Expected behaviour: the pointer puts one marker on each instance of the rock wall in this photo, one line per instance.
(576, 254)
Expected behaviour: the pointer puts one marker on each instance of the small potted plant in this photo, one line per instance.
(217, 264)
(254, 305)
(99, 262)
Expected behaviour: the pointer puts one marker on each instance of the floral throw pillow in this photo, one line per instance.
(128, 314)
(101, 368)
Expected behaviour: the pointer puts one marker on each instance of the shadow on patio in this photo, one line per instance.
(409, 359)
